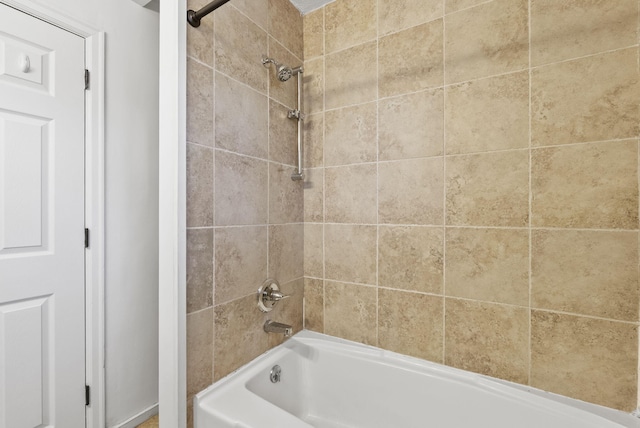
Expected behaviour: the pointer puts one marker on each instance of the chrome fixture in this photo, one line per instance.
(194, 17)
(269, 295)
(276, 373)
(277, 327)
(283, 74)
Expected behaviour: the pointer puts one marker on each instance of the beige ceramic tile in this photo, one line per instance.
(286, 198)
(238, 335)
(199, 269)
(350, 253)
(283, 135)
(314, 305)
(313, 243)
(285, 24)
(313, 25)
(350, 135)
(588, 359)
(490, 189)
(349, 23)
(600, 191)
(411, 191)
(411, 324)
(286, 252)
(313, 79)
(314, 195)
(586, 272)
(199, 350)
(488, 114)
(240, 261)
(350, 76)
(411, 258)
(492, 38)
(241, 190)
(283, 92)
(568, 29)
(199, 103)
(487, 338)
(241, 119)
(256, 10)
(589, 99)
(488, 264)
(199, 186)
(200, 39)
(350, 194)
(455, 5)
(239, 53)
(411, 60)
(411, 126)
(396, 15)
(350, 312)
(313, 140)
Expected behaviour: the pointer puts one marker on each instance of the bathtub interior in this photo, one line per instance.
(327, 383)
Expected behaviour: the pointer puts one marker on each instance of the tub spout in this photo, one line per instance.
(277, 327)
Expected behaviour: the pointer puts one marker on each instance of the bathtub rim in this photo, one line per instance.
(337, 344)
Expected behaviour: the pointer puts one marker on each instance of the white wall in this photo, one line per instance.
(131, 169)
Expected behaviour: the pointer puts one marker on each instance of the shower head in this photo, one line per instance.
(283, 72)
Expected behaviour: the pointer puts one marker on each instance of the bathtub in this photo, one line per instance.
(325, 382)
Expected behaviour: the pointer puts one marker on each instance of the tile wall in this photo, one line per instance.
(244, 213)
(473, 191)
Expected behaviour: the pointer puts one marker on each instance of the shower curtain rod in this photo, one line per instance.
(194, 17)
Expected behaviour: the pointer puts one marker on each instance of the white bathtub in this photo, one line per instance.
(329, 382)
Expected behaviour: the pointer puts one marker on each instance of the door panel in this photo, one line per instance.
(42, 321)
(24, 143)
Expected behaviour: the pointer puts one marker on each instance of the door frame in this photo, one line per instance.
(172, 382)
(94, 199)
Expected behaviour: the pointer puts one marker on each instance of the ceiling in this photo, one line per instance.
(306, 6)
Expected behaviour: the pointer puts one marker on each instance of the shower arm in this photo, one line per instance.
(194, 17)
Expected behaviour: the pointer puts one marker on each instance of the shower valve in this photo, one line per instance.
(269, 295)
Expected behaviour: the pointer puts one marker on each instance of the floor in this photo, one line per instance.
(150, 423)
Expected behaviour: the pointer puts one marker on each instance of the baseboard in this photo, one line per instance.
(136, 420)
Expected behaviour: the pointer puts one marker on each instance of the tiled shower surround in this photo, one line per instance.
(244, 213)
(472, 191)
(473, 197)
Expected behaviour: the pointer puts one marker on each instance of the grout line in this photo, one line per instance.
(324, 103)
(201, 310)
(430, 226)
(523, 228)
(266, 30)
(231, 152)
(246, 85)
(213, 282)
(204, 64)
(466, 8)
(268, 136)
(606, 52)
(529, 353)
(474, 300)
(445, 91)
(463, 82)
(377, 253)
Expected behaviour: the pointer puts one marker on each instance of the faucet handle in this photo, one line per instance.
(276, 296)
(269, 295)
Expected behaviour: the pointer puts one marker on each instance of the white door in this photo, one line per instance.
(42, 321)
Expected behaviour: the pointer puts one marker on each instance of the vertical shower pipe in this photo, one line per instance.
(299, 116)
